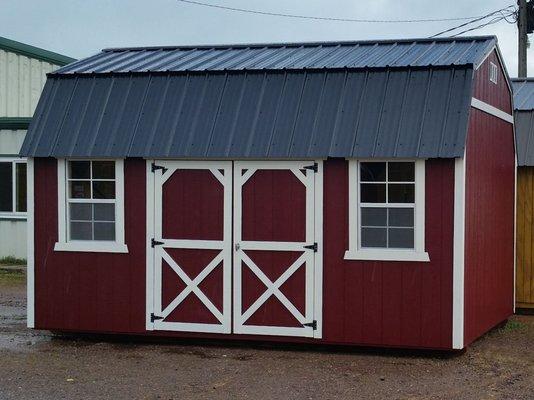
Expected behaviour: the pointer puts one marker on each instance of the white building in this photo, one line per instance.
(23, 70)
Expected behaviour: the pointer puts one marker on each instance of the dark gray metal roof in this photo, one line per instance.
(524, 120)
(523, 93)
(419, 112)
(288, 56)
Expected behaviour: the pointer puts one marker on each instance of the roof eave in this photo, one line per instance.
(34, 52)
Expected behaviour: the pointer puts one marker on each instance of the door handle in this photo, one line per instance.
(237, 246)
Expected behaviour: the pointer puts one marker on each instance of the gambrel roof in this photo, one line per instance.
(404, 98)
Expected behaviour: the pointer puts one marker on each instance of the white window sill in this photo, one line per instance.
(387, 255)
(13, 216)
(92, 247)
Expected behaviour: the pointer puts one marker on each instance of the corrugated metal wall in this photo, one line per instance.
(13, 234)
(21, 82)
(11, 141)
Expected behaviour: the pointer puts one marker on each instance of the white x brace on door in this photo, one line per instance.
(282, 242)
(275, 214)
(192, 227)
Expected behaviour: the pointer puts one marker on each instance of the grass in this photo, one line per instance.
(10, 260)
(11, 276)
(513, 326)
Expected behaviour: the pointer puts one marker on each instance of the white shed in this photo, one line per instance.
(23, 70)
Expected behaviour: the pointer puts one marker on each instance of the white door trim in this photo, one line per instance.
(157, 254)
(243, 171)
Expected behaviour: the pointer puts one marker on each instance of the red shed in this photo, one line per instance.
(357, 193)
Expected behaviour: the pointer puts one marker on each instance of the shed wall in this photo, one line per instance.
(405, 304)
(11, 141)
(525, 238)
(21, 81)
(489, 225)
(497, 95)
(13, 234)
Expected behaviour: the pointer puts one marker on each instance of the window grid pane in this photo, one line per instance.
(20, 187)
(91, 200)
(395, 226)
(6, 186)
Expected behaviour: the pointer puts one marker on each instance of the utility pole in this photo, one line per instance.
(522, 38)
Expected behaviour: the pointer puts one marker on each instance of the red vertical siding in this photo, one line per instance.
(89, 291)
(407, 304)
(497, 95)
(489, 229)
(389, 303)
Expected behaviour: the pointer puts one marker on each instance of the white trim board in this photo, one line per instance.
(155, 256)
(30, 269)
(489, 109)
(150, 254)
(243, 171)
(458, 291)
(95, 246)
(355, 251)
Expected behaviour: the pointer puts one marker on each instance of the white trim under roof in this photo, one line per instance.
(489, 109)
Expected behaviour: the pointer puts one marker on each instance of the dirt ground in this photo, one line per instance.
(39, 365)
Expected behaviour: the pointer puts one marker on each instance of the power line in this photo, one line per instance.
(505, 12)
(491, 22)
(384, 21)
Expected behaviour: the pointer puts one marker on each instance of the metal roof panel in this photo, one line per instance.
(254, 114)
(288, 56)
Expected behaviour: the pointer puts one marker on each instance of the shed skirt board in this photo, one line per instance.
(266, 268)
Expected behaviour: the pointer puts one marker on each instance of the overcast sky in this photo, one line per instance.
(80, 28)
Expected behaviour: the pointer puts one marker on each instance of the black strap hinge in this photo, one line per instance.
(155, 242)
(154, 317)
(313, 324)
(156, 167)
(312, 247)
(314, 167)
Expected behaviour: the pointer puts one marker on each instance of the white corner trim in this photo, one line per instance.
(489, 109)
(93, 246)
(30, 270)
(387, 255)
(458, 292)
(515, 229)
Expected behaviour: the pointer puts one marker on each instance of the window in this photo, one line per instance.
(493, 72)
(91, 197)
(386, 210)
(12, 188)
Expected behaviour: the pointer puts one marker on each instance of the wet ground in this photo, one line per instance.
(39, 365)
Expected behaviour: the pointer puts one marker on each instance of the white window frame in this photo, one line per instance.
(97, 246)
(11, 215)
(355, 252)
(493, 72)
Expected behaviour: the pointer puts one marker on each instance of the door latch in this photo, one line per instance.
(237, 246)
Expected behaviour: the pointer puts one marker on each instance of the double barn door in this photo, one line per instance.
(233, 248)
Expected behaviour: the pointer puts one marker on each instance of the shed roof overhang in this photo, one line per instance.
(385, 112)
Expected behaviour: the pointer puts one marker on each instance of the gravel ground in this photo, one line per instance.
(39, 365)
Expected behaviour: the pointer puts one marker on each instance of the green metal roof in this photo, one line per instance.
(34, 52)
(14, 122)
